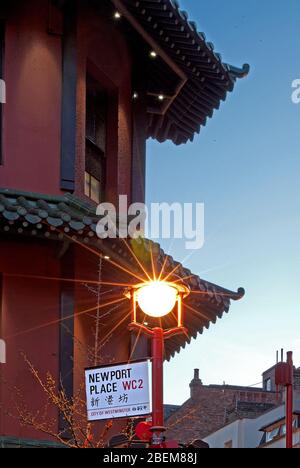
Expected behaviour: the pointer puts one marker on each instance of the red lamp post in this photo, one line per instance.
(285, 377)
(158, 299)
(289, 402)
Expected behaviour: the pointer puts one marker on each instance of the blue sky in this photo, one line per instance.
(245, 167)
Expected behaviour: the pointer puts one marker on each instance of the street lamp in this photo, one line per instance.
(157, 299)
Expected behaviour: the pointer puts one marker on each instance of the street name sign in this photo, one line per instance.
(118, 391)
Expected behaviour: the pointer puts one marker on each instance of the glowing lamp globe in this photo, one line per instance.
(157, 299)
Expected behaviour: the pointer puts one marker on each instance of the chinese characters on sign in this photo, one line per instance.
(117, 392)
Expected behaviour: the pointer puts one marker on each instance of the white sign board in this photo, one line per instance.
(119, 391)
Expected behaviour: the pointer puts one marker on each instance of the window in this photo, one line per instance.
(96, 128)
(277, 432)
(273, 434)
(268, 385)
(1, 298)
(283, 428)
(92, 187)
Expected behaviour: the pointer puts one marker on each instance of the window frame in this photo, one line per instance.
(228, 444)
(88, 187)
(268, 384)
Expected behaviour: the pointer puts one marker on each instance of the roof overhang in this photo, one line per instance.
(203, 79)
(66, 218)
(276, 422)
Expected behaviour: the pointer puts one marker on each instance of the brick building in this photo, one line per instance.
(269, 379)
(210, 407)
(265, 431)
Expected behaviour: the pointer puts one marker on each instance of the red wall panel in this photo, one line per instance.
(27, 305)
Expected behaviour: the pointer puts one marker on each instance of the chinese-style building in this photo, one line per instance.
(231, 416)
(87, 82)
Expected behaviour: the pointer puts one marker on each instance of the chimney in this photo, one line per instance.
(195, 384)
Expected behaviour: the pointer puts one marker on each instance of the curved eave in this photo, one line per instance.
(208, 78)
(236, 72)
(200, 319)
(194, 105)
(68, 218)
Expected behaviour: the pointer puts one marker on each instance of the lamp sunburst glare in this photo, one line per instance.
(157, 299)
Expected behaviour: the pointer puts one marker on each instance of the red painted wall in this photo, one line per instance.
(104, 54)
(114, 347)
(30, 324)
(26, 305)
(32, 144)
(32, 114)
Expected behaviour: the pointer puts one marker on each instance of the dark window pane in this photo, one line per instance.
(96, 120)
(96, 128)
(87, 184)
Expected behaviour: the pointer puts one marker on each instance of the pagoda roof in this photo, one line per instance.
(61, 218)
(188, 71)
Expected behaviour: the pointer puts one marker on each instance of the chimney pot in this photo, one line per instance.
(196, 384)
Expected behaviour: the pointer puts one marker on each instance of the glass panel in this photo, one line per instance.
(90, 119)
(87, 184)
(96, 110)
(101, 131)
(96, 127)
(95, 190)
(271, 435)
(283, 428)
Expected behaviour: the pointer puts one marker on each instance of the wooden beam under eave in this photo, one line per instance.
(148, 38)
(161, 53)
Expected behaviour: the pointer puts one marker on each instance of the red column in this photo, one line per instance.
(289, 403)
(157, 378)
